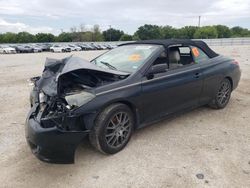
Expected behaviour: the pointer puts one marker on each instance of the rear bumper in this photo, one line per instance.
(236, 77)
(51, 144)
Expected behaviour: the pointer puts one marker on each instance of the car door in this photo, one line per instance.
(212, 74)
(169, 92)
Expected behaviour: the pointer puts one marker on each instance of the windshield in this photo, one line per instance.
(126, 58)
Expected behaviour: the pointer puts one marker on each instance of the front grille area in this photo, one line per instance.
(34, 148)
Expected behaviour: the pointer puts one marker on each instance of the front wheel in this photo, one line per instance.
(222, 96)
(113, 129)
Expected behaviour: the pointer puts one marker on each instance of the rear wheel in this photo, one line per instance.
(113, 129)
(222, 96)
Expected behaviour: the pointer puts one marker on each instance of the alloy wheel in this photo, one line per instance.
(224, 93)
(118, 129)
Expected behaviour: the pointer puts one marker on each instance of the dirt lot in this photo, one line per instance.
(215, 143)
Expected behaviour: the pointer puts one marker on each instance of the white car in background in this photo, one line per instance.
(58, 48)
(74, 47)
(7, 50)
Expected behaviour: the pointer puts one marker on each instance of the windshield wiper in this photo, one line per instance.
(108, 65)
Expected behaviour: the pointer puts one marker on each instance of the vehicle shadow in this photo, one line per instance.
(28, 170)
(85, 150)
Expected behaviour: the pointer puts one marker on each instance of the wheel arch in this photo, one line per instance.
(230, 80)
(131, 106)
(134, 111)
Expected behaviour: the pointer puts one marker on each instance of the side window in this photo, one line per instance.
(179, 56)
(199, 55)
(184, 50)
(162, 59)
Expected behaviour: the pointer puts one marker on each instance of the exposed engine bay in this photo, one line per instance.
(85, 80)
(65, 85)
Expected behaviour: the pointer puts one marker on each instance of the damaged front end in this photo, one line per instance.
(53, 129)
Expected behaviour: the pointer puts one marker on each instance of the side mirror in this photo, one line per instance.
(159, 68)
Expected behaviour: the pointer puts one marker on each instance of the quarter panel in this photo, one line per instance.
(214, 71)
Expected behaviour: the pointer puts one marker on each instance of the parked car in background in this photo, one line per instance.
(7, 50)
(103, 47)
(85, 47)
(113, 46)
(45, 47)
(82, 46)
(108, 46)
(90, 47)
(94, 46)
(58, 48)
(23, 49)
(74, 47)
(98, 46)
(36, 48)
(67, 49)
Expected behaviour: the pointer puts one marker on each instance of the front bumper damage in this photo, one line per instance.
(51, 144)
(57, 121)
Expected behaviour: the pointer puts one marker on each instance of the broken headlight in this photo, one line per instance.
(79, 99)
(42, 97)
(32, 81)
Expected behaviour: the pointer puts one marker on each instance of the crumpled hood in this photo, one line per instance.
(55, 68)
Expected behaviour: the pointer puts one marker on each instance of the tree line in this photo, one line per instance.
(144, 32)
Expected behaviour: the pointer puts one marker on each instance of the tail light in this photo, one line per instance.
(236, 63)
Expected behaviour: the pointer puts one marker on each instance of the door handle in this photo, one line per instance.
(197, 75)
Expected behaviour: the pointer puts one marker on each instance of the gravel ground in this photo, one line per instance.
(201, 148)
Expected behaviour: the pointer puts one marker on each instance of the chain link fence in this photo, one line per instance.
(227, 41)
(210, 42)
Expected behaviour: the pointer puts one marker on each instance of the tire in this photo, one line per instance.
(113, 129)
(223, 95)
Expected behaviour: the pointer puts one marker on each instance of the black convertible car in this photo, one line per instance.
(123, 89)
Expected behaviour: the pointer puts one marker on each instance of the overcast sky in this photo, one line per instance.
(56, 15)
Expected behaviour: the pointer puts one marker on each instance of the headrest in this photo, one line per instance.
(174, 55)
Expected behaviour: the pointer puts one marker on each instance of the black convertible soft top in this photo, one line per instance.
(168, 42)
